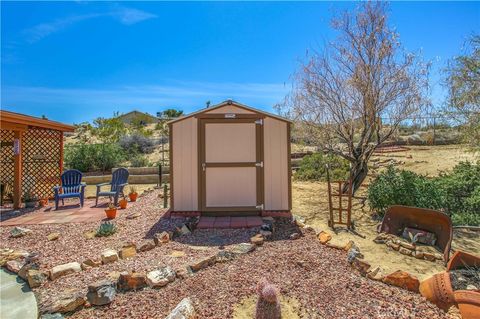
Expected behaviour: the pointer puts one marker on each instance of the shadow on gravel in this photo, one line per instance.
(283, 229)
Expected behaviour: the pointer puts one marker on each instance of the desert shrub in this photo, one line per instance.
(139, 161)
(312, 168)
(136, 143)
(106, 229)
(399, 187)
(457, 193)
(91, 157)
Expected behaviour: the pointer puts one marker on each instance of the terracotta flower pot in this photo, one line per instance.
(438, 290)
(123, 203)
(133, 197)
(43, 202)
(468, 302)
(111, 213)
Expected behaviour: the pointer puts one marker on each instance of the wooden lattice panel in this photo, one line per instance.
(7, 163)
(41, 151)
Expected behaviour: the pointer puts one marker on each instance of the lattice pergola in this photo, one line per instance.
(31, 156)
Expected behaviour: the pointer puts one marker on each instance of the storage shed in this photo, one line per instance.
(31, 155)
(230, 159)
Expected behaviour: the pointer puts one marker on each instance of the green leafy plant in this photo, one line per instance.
(29, 196)
(456, 193)
(139, 161)
(312, 168)
(106, 229)
(133, 190)
(91, 157)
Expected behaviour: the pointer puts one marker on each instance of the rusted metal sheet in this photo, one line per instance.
(398, 217)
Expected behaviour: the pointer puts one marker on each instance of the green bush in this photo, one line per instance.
(91, 157)
(139, 161)
(457, 193)
(312, 168)
(399, 187)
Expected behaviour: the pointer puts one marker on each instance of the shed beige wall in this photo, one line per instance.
(185, 170)
(276, 164)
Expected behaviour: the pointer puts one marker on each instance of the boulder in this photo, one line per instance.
(7, 254)
(257, 240)
(403, 280)
(375, 274)
(161, 238)
(146, 245)
(161, 277)
(203, 262)
(324, 237)
(361, 266)
(184, 310)
(68, 302)
(418, 254)
(109, 256)
(91, 263)
(14, 265)
(65, 269)
(131, 281)
(128, 250)
(22, 273)
(101, 292)
(177, 253)
(17, 232)
(36, 278)
(393, 245)
(53, 236)
(381, 238)
(242, 248)
(349, 245)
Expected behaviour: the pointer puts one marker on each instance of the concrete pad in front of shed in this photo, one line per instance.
(16, 298)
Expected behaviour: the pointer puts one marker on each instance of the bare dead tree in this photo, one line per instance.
(341, 95)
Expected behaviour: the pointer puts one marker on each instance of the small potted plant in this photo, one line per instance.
(123, 203)
(43, 202)
(133, 194)
(111, 211)
(30, 199)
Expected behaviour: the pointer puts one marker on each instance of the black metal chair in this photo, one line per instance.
(119, 181)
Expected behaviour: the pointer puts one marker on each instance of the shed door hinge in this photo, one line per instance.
(259, 206)
(259, 164)
(259, 121)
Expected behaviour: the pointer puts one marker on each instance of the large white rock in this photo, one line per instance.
(161, 277)
(65, 269)
(184, 310)
(109, 256)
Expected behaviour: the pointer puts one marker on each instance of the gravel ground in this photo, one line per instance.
(317, 276)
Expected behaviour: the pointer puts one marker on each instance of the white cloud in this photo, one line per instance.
(129, 16)
(126, 16)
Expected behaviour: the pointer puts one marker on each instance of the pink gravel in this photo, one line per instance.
(317, 276)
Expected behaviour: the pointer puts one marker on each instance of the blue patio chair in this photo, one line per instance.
(72, 187)
(119, 181)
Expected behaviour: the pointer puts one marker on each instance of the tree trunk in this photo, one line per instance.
(358, 174)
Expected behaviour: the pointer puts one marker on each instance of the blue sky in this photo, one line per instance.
(74, 61)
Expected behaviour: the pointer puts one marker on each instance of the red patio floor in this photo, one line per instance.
(229, 222)
(70, 213)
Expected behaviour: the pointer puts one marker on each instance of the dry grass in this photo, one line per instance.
(90, 190)
(310, 200)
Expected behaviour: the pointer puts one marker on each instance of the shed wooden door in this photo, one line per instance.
(231, 164)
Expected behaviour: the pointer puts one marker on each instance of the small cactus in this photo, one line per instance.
(106, 229)
(268, 305)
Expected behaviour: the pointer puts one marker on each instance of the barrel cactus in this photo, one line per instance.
(106, 229)
(268, 305)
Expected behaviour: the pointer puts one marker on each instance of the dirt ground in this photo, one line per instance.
(310, 201)
(91, 190)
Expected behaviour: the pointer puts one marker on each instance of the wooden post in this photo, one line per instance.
(165, 195)
(17, 172)
(60, 164)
